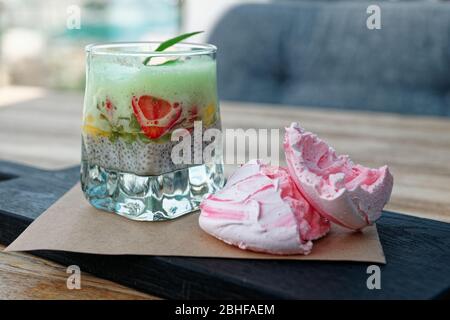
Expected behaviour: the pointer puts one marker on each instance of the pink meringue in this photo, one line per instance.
(347, 194)
(261, 209)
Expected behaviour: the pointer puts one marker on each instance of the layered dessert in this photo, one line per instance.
(131, 110)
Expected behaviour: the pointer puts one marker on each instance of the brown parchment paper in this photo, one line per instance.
(72, 224)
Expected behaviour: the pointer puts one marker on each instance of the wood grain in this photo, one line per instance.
(23, 276)
(44, 131)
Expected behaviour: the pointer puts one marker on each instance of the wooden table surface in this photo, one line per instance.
(42, 128)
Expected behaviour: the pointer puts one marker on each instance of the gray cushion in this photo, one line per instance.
(322, 54)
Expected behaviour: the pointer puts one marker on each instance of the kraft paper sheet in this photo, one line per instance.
(72, 224)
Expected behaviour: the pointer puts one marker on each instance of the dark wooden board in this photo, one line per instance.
(417, 252)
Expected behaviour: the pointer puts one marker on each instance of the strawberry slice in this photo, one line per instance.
(155, 116)
(109, 109)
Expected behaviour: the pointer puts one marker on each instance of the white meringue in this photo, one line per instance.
(261, 209)
(348, 194)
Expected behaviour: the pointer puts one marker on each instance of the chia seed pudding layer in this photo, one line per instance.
(139, 157)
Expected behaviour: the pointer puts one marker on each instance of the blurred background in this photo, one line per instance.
(39, 37)
(299, 52)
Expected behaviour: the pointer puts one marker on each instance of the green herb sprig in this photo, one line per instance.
(168, 43)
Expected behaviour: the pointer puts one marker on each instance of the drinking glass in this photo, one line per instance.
(135, 99)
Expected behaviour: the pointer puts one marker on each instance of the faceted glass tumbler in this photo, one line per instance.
(135, 99)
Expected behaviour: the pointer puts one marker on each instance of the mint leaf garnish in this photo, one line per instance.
(168, 43)
(168, 62)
